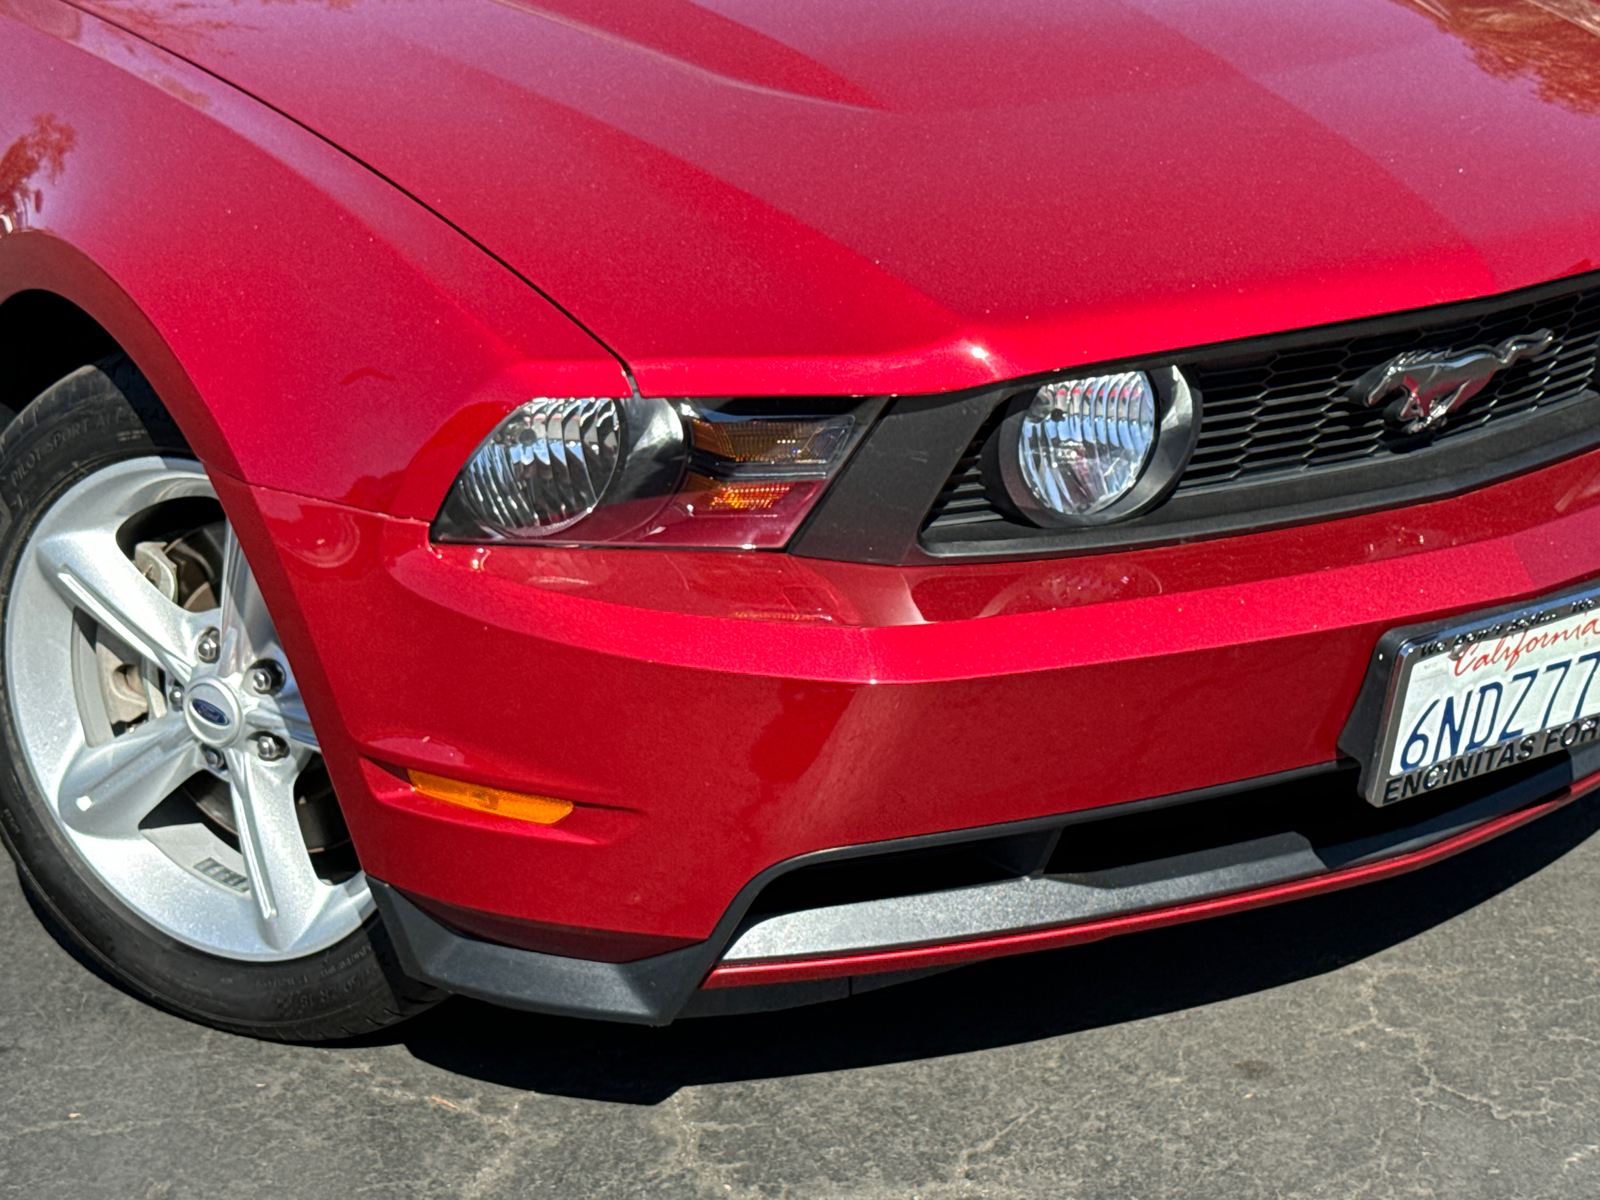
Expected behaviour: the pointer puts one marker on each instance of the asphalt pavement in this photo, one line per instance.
(1437, 1035)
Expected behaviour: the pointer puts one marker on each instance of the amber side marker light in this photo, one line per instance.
(541, 810)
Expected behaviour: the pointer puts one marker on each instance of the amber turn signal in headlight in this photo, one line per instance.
(541, 810)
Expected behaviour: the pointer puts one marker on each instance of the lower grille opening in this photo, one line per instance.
(1212, 844)
(1325, 811)
(906, 873)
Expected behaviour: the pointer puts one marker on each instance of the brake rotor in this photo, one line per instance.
(186, 570)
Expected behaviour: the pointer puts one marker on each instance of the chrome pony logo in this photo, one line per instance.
(1437, 382)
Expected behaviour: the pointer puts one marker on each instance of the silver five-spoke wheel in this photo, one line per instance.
(161, 722)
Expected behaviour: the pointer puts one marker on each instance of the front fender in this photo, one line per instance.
(312, 328)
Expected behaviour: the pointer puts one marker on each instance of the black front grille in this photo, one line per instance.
(1276, 411)
(1284, 412)
(965, 500)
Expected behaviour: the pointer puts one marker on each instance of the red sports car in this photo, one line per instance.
(641, 508)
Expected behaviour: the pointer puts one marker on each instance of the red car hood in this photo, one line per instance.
(838, 196)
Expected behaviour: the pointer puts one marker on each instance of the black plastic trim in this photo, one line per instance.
(774, 997)
(874, 511)
(1064, 899)
(1519, 794)
(1500, 451)
(874, 508)
(656, 990)
(650, 991)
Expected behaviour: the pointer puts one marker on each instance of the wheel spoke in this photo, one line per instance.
(297, 722)
(90, 570)
(247, 632)
(288, 894)
(108, 789)
(287, 717)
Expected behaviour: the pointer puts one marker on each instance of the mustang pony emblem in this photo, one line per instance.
(1437, 382)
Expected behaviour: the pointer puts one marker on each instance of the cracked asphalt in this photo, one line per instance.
(1437, 1035)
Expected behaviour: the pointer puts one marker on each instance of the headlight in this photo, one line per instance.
(641, 471)
(554, 463)
(1084, 442)
(1102, 448)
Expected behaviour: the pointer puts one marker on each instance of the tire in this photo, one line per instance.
(262, 939)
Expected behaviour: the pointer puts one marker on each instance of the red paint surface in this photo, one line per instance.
(820, 195)
(311, 327)
(761, 708)
(910, 958)
(396, 220)
(769, 198)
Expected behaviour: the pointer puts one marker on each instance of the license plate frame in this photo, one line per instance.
(1534, 635)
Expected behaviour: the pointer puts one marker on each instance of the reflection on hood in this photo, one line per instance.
(1551, 41)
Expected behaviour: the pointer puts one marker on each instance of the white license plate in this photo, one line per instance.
(1489, 694)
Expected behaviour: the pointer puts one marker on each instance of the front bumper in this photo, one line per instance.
(727, 973)
(715, 715)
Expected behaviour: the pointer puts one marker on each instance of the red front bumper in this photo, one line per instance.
(712, 714)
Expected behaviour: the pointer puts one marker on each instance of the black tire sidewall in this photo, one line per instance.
(93, 418)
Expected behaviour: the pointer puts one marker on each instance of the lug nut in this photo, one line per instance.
(214, 758)
(208, 647)
(266, 677)
(271, 747)
(175, 696)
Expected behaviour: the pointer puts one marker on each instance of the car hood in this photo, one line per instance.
(796, 196)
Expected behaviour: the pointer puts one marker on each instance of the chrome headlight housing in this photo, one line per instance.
(553, 463)
(1096, 449)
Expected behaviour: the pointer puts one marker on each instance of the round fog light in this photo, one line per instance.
(1084, 442)
(1086, 451)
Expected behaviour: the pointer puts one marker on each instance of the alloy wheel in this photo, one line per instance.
(163, 726)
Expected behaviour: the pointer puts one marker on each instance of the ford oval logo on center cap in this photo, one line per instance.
(209, 712)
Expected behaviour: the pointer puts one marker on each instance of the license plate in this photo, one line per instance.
(1489, 694)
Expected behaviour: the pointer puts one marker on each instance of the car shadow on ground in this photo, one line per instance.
(1000, 1003)
(1005, 1002)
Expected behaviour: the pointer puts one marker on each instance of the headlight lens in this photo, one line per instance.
(641, 471)
(546, 466)
(553, 464)
(1084, 442)
(1098, 449)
